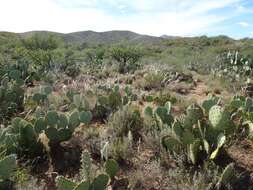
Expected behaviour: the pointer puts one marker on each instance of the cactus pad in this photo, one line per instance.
(111, 167)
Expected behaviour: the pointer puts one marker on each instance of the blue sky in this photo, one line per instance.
(154, 17)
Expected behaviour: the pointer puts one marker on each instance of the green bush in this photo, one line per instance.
(127, 57)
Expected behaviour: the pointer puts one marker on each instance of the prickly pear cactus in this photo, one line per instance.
(111, 167)
(7, 166)
(207, 104)
(148, 112)
(62, 121)
(100, 182)
(83, 186)
(74, 120)
(163, 114)
(227, 175)
(11, 95)
(85, 117)
(40, 125)
(51, 118)
(58, 127)
(194, 113)
(177, 129)
(22, 137)
(219, 118)
(64, 184)
(171, 144)
(194, 151)
(80, 102)
(42, 96)
(221, 139)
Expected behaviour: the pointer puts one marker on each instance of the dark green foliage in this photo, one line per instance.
(95, 56)
(21, 138)
(127, 57)
(11, 93)
(8, 166)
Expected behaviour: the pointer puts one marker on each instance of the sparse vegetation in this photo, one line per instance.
(158, 114)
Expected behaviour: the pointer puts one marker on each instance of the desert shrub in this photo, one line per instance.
(126, 120)
(157, 77)
(161, 97)
(127, 57)
(122, 148)
(41, 51)
(95, 56)
(73, 70)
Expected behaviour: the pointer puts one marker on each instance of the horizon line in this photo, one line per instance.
(106, 31)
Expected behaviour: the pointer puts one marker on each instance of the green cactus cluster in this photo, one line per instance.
(200, 135)
(220, 120)
(112, 101)
(161, 115)
(42, 95)
(23, 136)
(7, 168)
(11, 94)
(58, 127)
(129, 96)
(20, 137)
(90, 181)
(232, 65)
(80, 102)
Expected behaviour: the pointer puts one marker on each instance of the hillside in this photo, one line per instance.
(117, 36)
(109, 37)
(91, 37)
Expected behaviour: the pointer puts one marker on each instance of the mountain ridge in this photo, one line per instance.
(106, 37)
(89, 36)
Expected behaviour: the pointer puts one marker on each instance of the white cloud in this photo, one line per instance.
(244, 9)
(154, 17)
(244, 24)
